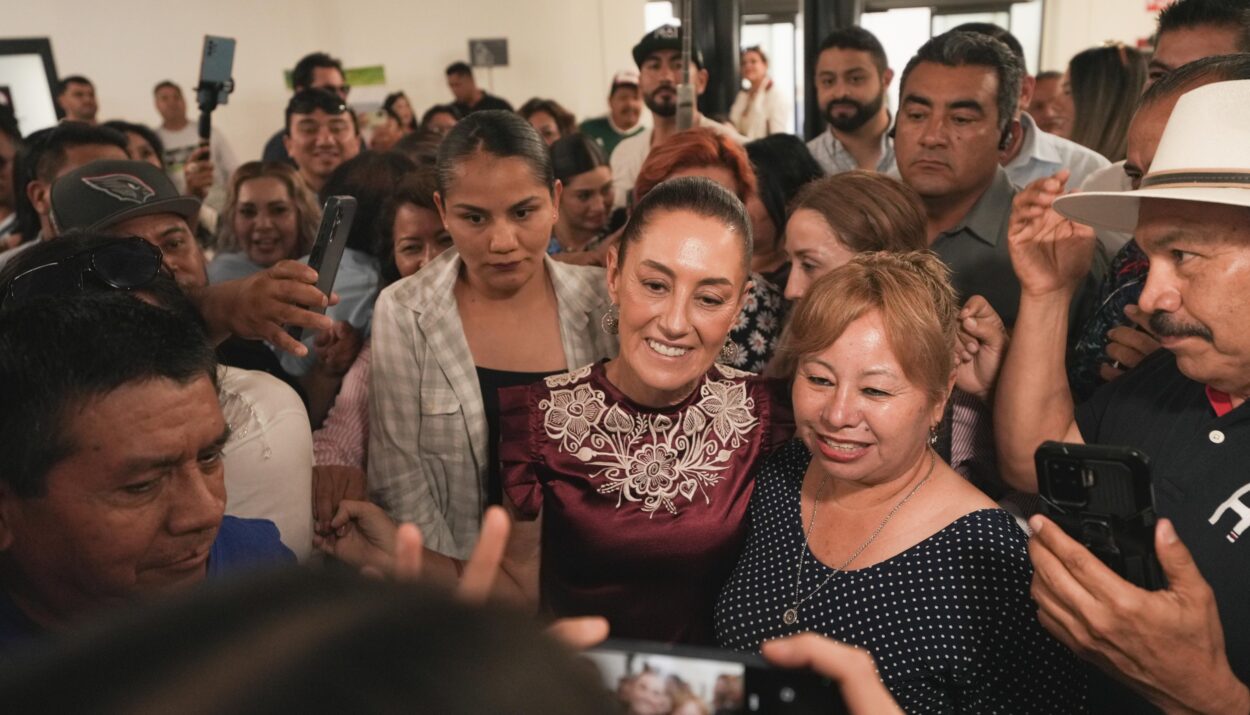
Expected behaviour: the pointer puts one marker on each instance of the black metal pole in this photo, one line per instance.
(717, 26)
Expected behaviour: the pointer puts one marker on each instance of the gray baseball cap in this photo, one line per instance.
(104, 193)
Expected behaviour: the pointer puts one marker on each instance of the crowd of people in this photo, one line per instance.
(711, 385)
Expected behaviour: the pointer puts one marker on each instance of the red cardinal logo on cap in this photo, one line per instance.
(123, 187)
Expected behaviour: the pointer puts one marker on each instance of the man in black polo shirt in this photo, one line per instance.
(469, 97)
(958, 99)
(1185, 648)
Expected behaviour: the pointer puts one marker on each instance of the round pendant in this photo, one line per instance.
(790, 617)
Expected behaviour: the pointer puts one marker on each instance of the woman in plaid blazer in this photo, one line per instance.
(495, 304)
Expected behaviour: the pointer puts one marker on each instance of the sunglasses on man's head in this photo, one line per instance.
(127, 264)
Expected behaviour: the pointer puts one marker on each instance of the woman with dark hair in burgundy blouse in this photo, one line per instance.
(629, 479)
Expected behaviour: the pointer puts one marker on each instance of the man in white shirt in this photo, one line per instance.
(851, 82)
(181, 138)
(1033, 153)
(658, 55)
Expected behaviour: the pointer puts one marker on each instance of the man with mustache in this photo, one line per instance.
(1185, 648)
(958, 99)
(851, 82)
(658, 55)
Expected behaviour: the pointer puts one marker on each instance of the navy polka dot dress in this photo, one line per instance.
(949, 621)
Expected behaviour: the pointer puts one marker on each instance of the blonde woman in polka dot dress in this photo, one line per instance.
(860, 533)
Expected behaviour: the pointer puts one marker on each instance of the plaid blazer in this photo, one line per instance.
(427, 427)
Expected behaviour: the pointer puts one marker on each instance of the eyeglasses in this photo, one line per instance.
(122, 265)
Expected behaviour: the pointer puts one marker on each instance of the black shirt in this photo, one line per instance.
(488, 101)
(490, 382)
(1200, 466)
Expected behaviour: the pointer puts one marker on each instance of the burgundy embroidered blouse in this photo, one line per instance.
(644, 509)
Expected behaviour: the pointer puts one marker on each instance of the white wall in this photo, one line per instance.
(1070, 26)
(557, 48)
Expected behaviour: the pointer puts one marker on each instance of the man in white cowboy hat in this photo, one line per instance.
(1187, 647)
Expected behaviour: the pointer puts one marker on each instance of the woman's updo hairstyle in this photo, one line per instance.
(498, 133)
(700, 196)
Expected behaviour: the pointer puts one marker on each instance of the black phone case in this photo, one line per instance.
(327, 251)
(1101, 495)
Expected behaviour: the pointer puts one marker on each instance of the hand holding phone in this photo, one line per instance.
(1101, 496)
(336, 225)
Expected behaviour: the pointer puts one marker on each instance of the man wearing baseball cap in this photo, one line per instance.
(624, 118)
(133, 198)
(1186, 647)
(658, 56)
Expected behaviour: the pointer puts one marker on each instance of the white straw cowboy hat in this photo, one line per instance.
(1203, 155)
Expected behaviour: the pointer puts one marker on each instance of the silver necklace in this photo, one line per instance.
(791, 614)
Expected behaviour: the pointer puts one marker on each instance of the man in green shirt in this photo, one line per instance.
(624, 115)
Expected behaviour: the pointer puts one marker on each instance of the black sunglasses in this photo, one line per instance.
(122, 265)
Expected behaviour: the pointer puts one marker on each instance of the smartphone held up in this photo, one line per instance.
(680, 680)
(1102, 496)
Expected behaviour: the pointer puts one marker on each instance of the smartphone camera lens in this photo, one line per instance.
(1068, 482)
(787, 695)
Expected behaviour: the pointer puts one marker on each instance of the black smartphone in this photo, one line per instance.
(336, 224)
(1102, 496)
(655, 677)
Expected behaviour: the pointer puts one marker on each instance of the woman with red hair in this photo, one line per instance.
(709, 154)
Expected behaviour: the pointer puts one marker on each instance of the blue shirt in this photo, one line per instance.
(231, 266)
(241, 544)
(357, 286)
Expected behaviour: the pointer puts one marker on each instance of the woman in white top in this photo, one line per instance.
(762, 107)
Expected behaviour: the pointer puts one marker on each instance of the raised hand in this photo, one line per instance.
(982, 343)
(1050, 254)
(336, 348)
(261, 306)
(1127, 345)
(362, 535)
(199, 172)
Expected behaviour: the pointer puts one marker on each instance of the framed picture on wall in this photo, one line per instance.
(28, 75)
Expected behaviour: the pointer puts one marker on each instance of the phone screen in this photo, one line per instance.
(661, 683)
(682, 680)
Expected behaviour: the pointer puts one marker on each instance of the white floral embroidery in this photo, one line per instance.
(654, 460)
(568, 378)
(732, 373)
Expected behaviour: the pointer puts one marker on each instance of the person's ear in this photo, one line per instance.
(613, 267)
(556, 193)
(286, 142)
(442, 210)
(1027, 87)
(887, 78)
(700, 81)
(37, 192)
(939, 409)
